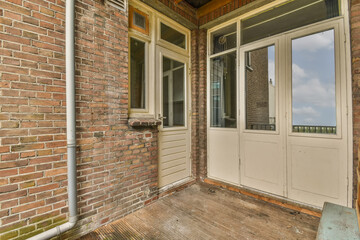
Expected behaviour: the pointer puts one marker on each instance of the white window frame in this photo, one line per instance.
(152, 41)
(209, 57)
(335, 24)
(146, 71)
(149, 111)
(242, 89)
(163, 43)
(345, 52)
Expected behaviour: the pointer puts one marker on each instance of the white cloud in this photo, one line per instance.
(297, 74)
(314, 92)
(314, 42)
(305, 111)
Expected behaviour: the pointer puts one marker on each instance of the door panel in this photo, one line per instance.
(261, 145)
(172, 108)
(223, 155)
(317, 133)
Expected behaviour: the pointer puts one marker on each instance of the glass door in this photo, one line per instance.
(261, 144)
(172, 108)
(317, 134)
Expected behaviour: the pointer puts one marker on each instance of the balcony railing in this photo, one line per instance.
(314, 129)
(297, 128)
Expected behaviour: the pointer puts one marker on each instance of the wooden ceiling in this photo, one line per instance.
(204, 7)
(197, 3)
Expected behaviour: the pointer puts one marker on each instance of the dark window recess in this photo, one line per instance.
(172, 36)
(223, 39)
(137, 74)
(139, 20)
(288, 16)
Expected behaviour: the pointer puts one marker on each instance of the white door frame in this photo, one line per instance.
(160, 53)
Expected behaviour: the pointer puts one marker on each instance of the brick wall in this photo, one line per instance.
(202, 158)
(257, 90)
(117, 165)
(355, 51)
(198, 91)
(229, 6)
(182, 8)
(195, 102)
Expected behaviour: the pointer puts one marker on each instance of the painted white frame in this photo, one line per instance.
(242, 89)
(177, 27)
(303, 32)
(146, 62)
(149, 111)
(152, 41)
(160, 53)
(345, 53)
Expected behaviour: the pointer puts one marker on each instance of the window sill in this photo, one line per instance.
(144, 122)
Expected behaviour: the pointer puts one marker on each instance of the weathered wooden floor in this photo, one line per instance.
(206, 212)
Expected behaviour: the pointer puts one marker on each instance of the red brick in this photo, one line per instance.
(25, 207)
(44, 188)
(10, 156)
(17, 194)
(10, 219)
(8, 188)
(23, 178)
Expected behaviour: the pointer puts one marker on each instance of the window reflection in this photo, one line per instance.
(173, 93)
(172, 36)
(313, 83)
(223, 91)
(260, 89)
(137, 74)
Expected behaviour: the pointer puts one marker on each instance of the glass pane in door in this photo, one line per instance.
(260, 89)
(313, 83)
(223, 91)
(173, 93)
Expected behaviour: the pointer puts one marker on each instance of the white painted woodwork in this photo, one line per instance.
(174, 142)
(223, 160)
(317, 163)
(303, 167)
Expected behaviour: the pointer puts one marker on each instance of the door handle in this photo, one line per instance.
(161, 117)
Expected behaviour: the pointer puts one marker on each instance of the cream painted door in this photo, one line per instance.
(173, 98)
(317, 156)
(262, 146)
(293, 120)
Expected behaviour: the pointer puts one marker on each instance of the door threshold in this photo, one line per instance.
(176, 186)
(270, 198)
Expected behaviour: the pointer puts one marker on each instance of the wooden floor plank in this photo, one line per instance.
(205, 212)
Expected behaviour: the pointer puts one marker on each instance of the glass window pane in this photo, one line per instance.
(173, 93)
(287, 16)
(260, 89)
(223, 39)
(223, 91)
(313, 83)
(137, 74)
(172, 36)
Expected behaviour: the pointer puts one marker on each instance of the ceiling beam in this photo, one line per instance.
(211, 6)
(178, 1)
(162, 8)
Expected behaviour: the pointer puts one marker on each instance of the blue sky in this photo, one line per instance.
(313, 79)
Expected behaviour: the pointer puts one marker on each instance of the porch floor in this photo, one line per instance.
(203, 211)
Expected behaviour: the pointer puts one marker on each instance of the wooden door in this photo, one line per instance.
(173, 109)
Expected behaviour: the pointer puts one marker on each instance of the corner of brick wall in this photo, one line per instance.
(355, 52)
(117, 164)
(198, 88)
